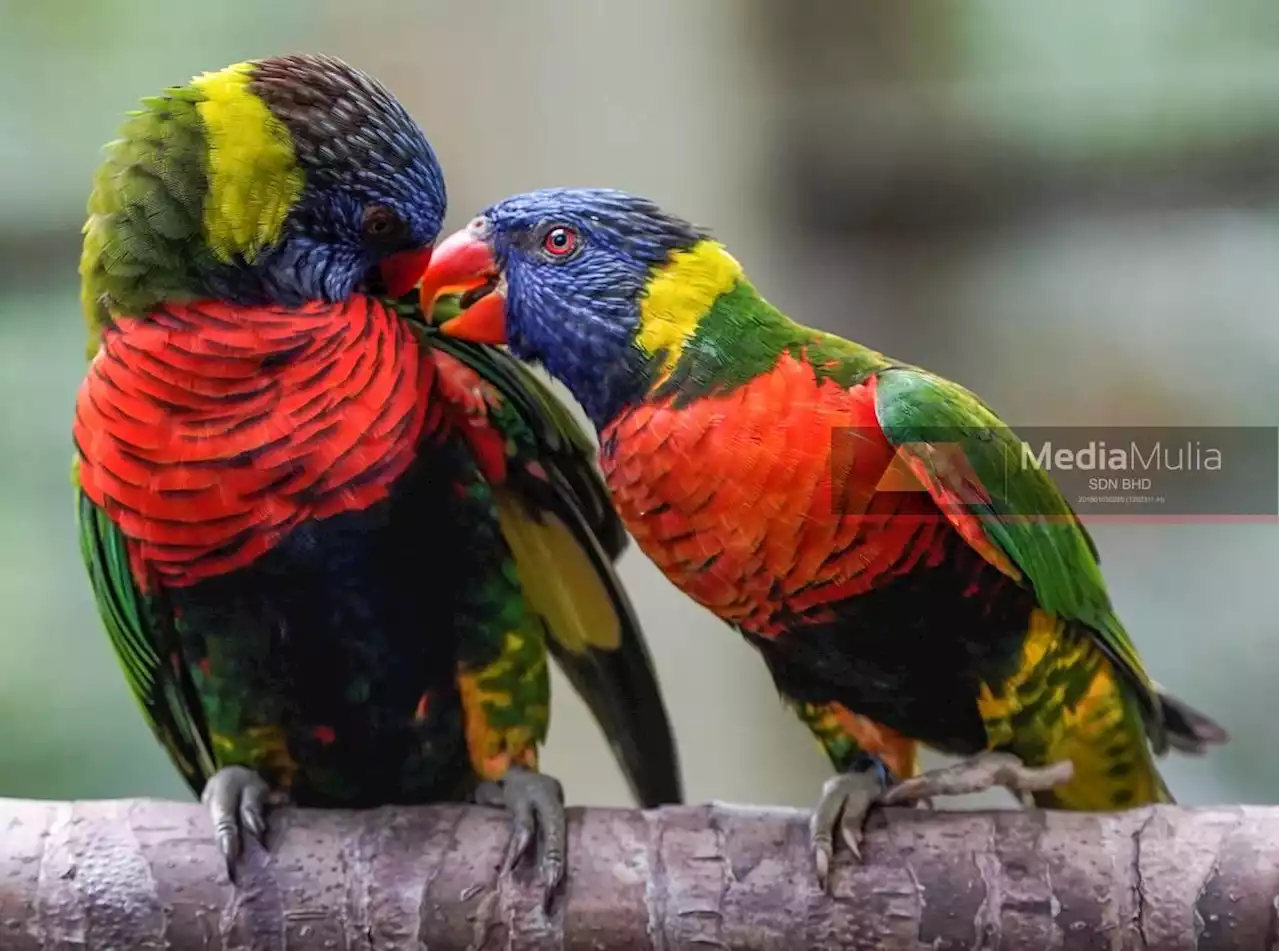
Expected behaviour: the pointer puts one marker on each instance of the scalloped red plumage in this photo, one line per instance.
(796, 520)
(207, 432)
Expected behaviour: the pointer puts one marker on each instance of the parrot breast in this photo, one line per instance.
(772, 501)
(208, 433)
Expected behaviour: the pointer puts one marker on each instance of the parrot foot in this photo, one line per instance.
(846, 799)
(978, 774)
(237, 799)
(536, 804)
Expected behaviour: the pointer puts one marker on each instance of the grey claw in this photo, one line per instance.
(851, 833)
(253, 823)
(553, 878)
(846, 799)
(820, 843)
(236, 797)
(536, 804)
(253, 809)
(229, 846)
(523, 833)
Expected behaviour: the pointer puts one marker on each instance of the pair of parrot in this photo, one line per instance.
(334, 535)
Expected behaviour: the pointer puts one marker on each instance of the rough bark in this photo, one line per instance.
(144, 875)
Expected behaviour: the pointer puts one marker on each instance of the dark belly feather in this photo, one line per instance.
(329, 662)
(911, 653)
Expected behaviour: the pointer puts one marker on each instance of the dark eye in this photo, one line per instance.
(382, 224)
(560, 241)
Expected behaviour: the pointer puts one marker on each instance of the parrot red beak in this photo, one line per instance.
(400, 271)
(464, 263)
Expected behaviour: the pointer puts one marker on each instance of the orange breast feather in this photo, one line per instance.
(771, 502)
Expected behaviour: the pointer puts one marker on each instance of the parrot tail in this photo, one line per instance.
(1188, 730)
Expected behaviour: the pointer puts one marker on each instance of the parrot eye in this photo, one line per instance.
(560, 242)
(381, 224)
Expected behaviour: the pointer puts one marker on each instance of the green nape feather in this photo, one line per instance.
(143, 243)
(741, 323)
(200, 177)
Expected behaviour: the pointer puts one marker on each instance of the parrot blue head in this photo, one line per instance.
(565, 273)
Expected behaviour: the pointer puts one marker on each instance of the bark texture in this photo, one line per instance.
(141, 875)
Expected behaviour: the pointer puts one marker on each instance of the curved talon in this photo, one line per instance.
(523, 831)
(846, 799)
(536, 804)
(237, 800)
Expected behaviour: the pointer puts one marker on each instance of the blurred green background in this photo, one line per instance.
(1071, 208)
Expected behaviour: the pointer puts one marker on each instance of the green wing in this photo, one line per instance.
(559, 523)
(1008, 508)
(143, 641)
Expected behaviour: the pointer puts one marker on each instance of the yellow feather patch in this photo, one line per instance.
(559, 579)
(261, 748)
(680, 294)
(998, 706)
(1065, 701)
(487, 701)
(254, 177)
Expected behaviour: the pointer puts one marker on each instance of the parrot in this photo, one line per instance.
(856, 518)
(331, 547)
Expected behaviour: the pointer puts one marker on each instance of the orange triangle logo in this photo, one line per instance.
(943, 463)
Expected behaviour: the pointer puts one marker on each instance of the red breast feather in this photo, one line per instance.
(207, 432)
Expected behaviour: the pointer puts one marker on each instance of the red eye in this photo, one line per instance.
(560, 241)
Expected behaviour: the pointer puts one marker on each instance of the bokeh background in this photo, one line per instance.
(1071, 208)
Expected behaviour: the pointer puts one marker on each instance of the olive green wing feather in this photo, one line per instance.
(1006, 507)
(145, 645)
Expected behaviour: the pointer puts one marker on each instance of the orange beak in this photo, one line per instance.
(461, 263)
(400, 272)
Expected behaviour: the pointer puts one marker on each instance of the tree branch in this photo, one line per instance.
(144, 875)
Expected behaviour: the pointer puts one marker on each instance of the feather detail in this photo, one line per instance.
(208, 433)
(761, 503)
(571, 597)
(254, 176)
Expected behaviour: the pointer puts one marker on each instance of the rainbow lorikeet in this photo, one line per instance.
(332, 548)
(762, 465)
